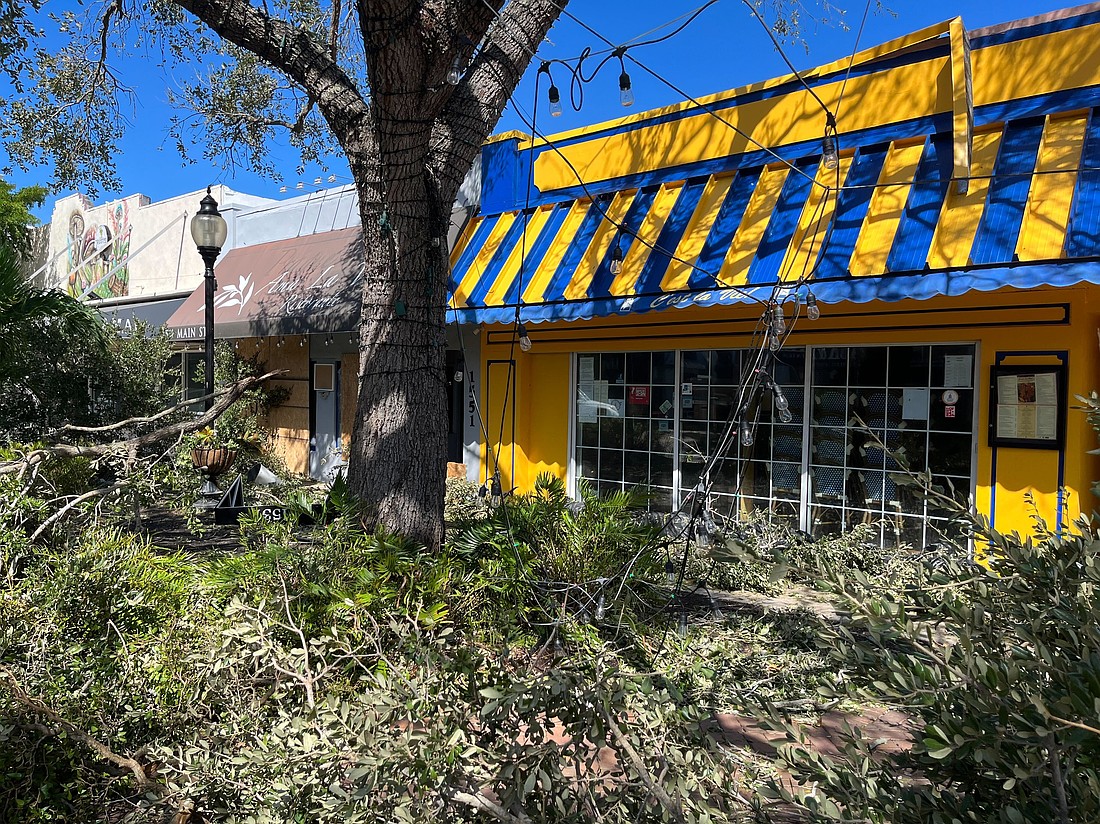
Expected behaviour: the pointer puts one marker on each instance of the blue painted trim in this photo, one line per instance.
(496, 262)
(851, 211)
(555, 289)
(999, 227)
(918, 221)
(887, 288)
(536, 253)
(660, 256)
(726, 224)
(1083, 231)
(1025, 32)
(764, 267)
(466, 259)
(632, 222)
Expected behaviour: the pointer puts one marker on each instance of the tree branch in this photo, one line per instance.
(477, 104)
(290, 50)
(659, 792)
(38, 707)
(131, 445)
(481, 803)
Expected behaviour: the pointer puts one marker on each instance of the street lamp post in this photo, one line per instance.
(209, 232)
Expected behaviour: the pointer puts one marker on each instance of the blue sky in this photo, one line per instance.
(724, 47)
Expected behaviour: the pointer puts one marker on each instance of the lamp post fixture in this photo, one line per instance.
(209, 232)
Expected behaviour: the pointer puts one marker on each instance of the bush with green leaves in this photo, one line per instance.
(999, 667)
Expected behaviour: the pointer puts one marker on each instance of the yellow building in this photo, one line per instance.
(951, 249)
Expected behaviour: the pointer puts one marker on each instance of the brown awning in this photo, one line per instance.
(287, 287)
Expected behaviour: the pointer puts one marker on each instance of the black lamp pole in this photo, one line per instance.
(209, 232)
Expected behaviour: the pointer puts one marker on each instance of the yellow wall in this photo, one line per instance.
(288, 422)
(1005, 321)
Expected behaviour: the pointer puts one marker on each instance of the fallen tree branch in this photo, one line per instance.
(483, 804)
(87, 496)
(130, 446)
(38, 707)
(622, 743)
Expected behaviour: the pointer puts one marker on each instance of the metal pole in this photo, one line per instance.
(209, 255)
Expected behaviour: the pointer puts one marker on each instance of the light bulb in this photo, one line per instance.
(458, 376)
(670, 572)
(746, 433)
(601, 608)
(829, 154)
(616, 266)
(775, 343)
(626, 94)
(454, 74)
(302, 341)
(812, 310)
(524, 340)
(779, 323)
(555, 101)
(785, 415)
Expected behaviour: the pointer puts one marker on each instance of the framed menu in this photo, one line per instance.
(1027, 406)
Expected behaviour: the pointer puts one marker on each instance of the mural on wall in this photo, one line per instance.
(98, 254)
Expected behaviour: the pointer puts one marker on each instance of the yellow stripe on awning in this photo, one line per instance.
(534, 291)
(814, 221)
(962, 212)
(601, 242)
(885, 210)
(735, 267)
(484, 255)
(508, 272)
(1043, 232)
(691, 244)
(648, 233)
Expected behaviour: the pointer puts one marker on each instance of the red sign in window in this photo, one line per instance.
(639, 394)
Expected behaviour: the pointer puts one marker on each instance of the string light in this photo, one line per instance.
(779, 323)
(616, 259)
(458, 66)
(745, 429)
(524, 340)
(830, 157)
(813, 312)
(782, 406)
(626, 94)
(554, 96)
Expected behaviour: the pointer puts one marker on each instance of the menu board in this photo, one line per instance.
(1027, 408)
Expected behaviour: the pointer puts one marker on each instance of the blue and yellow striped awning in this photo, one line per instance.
(897, 227)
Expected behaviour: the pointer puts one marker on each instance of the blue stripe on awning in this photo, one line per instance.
(1083, 235)
(555, 290)
(631, 222)
(769, 256)
(678, 219)
(496, 263)
(725, 227)
(536, 253)
(466, 258)
(922, 210)
(999, 228)
(851, 210)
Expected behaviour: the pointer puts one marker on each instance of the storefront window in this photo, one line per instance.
(655, 419)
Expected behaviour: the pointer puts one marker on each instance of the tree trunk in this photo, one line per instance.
(397, 464)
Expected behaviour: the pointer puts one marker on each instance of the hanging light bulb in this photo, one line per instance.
(670, 572)
(555, 101)
(626, 94)
(813, 312)
(829, 155)
(616, 259)
(782, 407)
(302, 341)
(746, 433)
(495, 493)
(282, 340)
(458, 376)
(524, 340)
(779, 323)
(458, 66)
(775, 343)
(601, 608)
